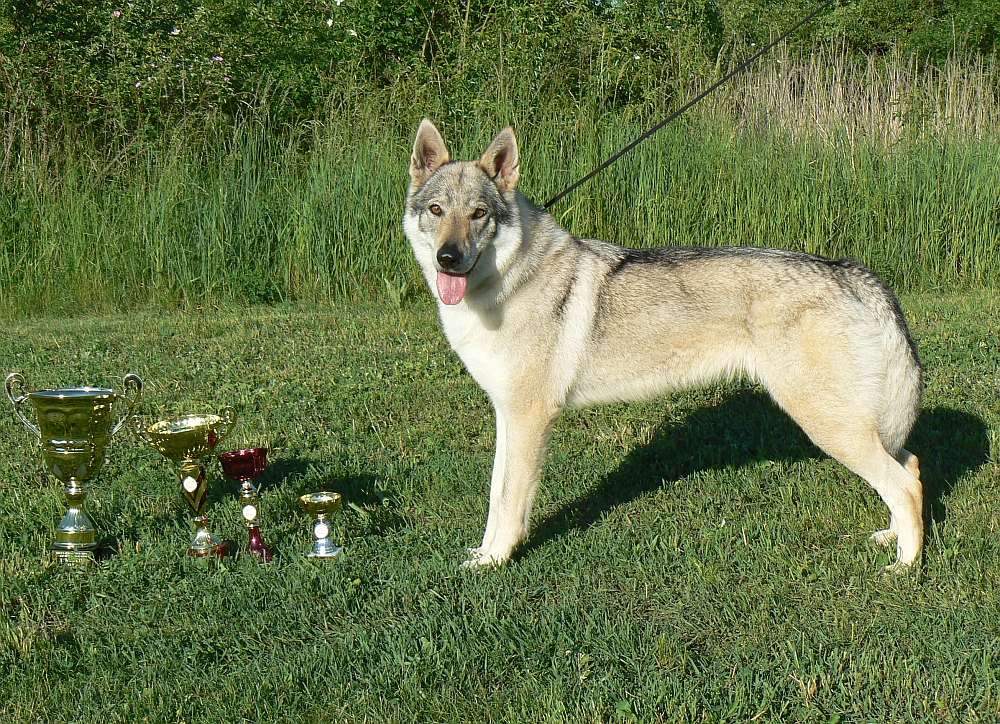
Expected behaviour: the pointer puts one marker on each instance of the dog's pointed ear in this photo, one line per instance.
(502, 161)
(429, 153)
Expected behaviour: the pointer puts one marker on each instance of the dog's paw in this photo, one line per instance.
(884, 538)
(478, 558)
(472, 556)
(898, 568)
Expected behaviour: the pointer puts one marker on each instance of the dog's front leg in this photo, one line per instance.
(522, 435)
(496, 488)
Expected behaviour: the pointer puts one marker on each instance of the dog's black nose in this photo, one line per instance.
(449, 256)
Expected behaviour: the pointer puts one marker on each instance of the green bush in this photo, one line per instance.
(124, 65)
(119, 67)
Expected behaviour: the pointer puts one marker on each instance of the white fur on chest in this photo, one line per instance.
(482, 350)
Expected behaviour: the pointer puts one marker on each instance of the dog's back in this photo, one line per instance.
(674, 317)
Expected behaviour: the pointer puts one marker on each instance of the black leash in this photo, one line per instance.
(739, 69)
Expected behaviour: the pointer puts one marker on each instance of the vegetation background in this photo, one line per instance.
(115, 67)
(179, 154)
(694, 559)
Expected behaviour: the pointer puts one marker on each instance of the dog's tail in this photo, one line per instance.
(902, 374)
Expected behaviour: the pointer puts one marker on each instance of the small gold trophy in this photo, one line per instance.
(183, 441)
(322, 506)
(75, 427)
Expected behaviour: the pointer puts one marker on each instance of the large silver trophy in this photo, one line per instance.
(74, 427)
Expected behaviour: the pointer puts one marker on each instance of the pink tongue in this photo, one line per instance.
(451, 287)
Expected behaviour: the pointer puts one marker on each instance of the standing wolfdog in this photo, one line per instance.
(545, 321)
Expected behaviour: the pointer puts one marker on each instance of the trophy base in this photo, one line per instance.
(257, 547)
(74, 546)
(326, 552)
(74, 557)
(206, 544)
(221, 550)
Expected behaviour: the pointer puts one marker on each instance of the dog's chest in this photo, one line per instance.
(481, 349)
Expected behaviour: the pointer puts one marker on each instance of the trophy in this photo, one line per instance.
(75, 427)
(183, 441)
(244, 466)
(322, 506)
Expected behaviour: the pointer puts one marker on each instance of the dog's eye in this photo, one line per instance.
(434, 209)
(478, 213)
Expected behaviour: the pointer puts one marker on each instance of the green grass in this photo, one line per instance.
(253, 213)
(693, 558)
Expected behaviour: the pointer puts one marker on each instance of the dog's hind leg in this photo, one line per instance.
(522, 435)
(888, 536)
(860, 449)
(902, 492)
(841, 425)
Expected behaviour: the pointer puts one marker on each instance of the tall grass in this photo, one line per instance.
(837, 96)
(880, 159)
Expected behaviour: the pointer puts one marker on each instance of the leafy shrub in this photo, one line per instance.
(128, 65)
(118, 67)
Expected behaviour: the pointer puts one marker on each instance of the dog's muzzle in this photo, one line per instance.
(449, 257)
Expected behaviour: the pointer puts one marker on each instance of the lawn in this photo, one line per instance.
(693, 558)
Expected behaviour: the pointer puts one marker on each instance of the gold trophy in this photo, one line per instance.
(183, 441)
(322, 506)
(75, 427)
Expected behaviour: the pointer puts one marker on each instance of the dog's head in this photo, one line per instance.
(455, 210)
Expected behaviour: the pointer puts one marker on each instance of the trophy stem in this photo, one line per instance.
(195, 486)
(249, 497)
(74, 544)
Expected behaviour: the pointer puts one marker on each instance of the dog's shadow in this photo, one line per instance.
(372, 508)
(747, 428)
(222, 487)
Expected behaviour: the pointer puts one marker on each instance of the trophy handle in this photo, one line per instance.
(15, 391)
(138, 426)
(228, 422)
(132, 384)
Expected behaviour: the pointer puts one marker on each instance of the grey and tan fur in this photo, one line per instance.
(545, 321)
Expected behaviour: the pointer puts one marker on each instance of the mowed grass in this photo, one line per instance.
(693, 558)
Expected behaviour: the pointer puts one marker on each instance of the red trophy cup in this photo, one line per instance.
(243, 466)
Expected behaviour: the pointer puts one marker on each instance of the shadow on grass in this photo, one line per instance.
(361, 497)
(747, 428)
(949, 444)
(107, 548)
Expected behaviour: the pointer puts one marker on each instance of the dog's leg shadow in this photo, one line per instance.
(749, 428)
(950, 444)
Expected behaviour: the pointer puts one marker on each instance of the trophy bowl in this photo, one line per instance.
(75, 427)
(183, 441)
(322, 506)
(189, 437)
(244, 466)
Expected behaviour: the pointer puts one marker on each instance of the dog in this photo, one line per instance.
(546, 321)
